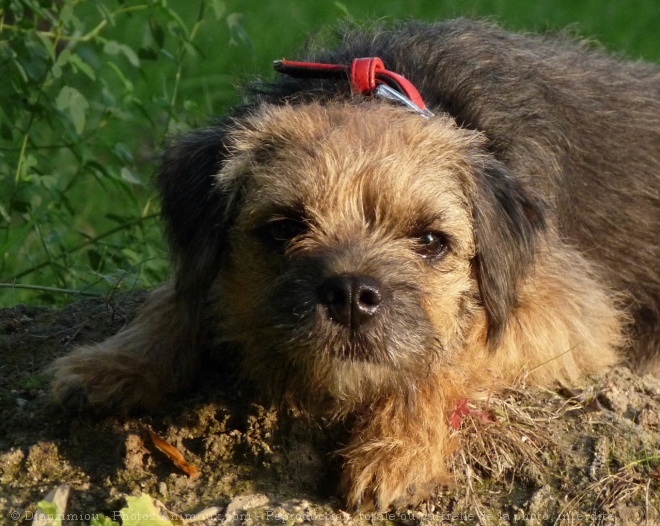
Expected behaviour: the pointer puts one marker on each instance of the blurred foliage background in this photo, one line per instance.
(90, 89)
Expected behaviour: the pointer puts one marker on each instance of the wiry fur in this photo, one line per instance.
(141, 365)
(540, 171)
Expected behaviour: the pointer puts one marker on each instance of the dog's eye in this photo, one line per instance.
(281, 230)
(432, 245)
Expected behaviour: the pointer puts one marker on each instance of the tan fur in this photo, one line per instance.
(366, 176)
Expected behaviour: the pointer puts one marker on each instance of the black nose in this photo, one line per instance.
(351, 300)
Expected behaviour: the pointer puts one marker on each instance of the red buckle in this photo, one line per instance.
(366, 74)
(363, 74)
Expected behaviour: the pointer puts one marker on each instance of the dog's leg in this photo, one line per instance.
(399, 450)
(155, 355)
(646, 353)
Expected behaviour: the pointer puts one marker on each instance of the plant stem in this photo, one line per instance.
(49, 289)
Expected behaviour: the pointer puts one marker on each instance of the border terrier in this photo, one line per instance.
(370, 260)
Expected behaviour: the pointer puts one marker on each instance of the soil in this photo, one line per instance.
(589, 455)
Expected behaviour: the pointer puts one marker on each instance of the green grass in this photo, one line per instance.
(90, 90)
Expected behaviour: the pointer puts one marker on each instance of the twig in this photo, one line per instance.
(49, 289)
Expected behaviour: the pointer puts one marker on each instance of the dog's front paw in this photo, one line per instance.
(389, 474)
(91, 379)
(70, 392)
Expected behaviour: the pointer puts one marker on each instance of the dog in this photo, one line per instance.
(385, 260)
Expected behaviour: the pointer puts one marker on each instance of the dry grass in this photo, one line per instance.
(523, 436)
(508, 435)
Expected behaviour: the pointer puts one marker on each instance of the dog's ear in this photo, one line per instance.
(508, 223)
(197, 213)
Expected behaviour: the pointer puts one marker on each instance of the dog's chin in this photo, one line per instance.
(359, 348)
(355, 374)
(354, 383)
(356, 354)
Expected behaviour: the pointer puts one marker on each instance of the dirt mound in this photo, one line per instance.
(584, 456)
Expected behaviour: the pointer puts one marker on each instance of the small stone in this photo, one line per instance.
(162, 489)
(236, 510)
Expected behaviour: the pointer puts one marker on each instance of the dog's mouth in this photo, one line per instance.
(317, 338)
(362, 348)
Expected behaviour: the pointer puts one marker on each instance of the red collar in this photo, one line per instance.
(368, 76)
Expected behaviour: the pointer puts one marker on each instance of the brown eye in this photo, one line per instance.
(283, 229)
(432, 245)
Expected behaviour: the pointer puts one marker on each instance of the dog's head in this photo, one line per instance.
(353, 246)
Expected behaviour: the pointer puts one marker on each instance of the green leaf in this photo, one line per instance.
(66, 14)
(47, 43)
(21, 69)
(237, 31)
(5, 215)
(50, 509)
(79, 65)
(102, 520)
(112, 47)
(342, 7)
(123, 152)
(128, 85)
(56, 71)
(35, 60)
(131, 255)
(190, 105)
(142, 511)
(219, 8)
(73, 103)
(130, 177)
(130, 55)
